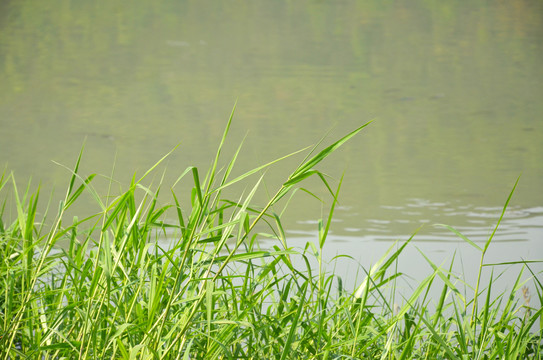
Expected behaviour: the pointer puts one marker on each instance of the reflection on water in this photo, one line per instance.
(475, 222)
(518, 225)
(519, 237)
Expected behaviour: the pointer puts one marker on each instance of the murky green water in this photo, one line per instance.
(455, 89)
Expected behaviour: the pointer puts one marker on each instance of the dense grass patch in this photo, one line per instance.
(112, 290)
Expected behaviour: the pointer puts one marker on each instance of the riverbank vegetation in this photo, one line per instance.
(108, 285)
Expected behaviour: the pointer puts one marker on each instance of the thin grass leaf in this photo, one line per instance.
(79, 190)
(460, 235)
(254, 255)
(76, 169)
(178, 211)
(255, 170)
(322, 238)
(487, 243)
(294, 323)
(197, 186)
(325, 153)
(445, 279)
(156, 164)
(443, 342)
(219, 149)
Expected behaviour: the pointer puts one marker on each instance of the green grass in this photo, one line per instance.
(113, 291)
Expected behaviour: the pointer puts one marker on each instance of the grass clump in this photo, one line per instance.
(114, 291)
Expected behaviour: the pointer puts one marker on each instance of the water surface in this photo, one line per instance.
(454, 90)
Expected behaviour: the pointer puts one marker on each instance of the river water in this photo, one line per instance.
(454, 90)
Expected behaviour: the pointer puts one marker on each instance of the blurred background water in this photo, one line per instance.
(455, 90)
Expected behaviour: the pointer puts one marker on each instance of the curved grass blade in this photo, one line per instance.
(487, 244)
(460, 235)
(302, 169)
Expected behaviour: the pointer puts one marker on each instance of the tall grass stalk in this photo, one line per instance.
(108, 285)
